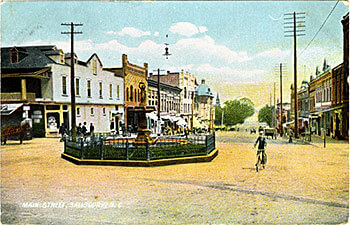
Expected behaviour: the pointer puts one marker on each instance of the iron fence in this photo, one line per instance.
(108, 147)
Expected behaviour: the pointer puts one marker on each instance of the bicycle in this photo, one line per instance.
(262, 159)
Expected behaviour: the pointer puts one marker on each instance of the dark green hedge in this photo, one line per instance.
(138, 153)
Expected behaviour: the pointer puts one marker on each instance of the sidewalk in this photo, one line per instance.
(315, 139)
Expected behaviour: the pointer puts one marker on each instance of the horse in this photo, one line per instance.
(10, 130)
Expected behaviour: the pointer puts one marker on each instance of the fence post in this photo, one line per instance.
(214, 139)
(82, 148)
(64, 146)
(206, 144)
(101, 150)
(147, 150)
(127, 149)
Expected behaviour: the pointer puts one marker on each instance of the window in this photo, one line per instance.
(14, 56)
(131, 93)
(64, 85)
(104, 111)
(110, 90)
(78, 111)
(94, 69)
(89, 88)
(118, 91)
(185, 92)
(62, 57)
(92, 111)
(127, 94)
(135, 96)
(100, 91)
(77, 92)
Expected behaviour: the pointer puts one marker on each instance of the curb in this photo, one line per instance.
(142, 163)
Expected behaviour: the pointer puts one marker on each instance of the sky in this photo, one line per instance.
(234, 45)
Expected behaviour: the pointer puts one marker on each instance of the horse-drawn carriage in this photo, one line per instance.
(270, 132)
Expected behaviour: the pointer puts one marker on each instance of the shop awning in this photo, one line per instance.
(8, 109)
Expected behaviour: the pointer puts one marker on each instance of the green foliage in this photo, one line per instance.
(265, 114)
(218, 115)
(139, 153)
(236, 111)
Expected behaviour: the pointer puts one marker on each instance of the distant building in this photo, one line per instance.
(169, 99)
(187, 83)
(204, 108)
(217, 102)
(303, 104)
(39, 77)
(320, 100)
(340, 89)
(133, 75)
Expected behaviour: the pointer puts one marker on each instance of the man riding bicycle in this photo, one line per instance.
(261, 155)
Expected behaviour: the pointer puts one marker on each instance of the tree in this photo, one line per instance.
(265, 114)
(218, 115)
(236, 111)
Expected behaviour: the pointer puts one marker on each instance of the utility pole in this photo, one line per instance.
(274, 105)
(158, 102)
(298, 30)
(72, 88)
(281, 70)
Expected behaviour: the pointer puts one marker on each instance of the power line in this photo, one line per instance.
(324, 22)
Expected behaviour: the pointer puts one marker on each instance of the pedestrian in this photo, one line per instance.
(79, 129)
(261, 129)
(92, 128)
(261, 155)
(290, 134)
(62, 131)
(83, 129)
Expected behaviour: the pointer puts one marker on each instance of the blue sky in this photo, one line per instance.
(234, 45)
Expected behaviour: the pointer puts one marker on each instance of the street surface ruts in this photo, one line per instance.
(302, 184)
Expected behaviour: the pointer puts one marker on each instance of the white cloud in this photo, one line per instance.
(274, 53)
(205, 47)
(202, 29)
(133, 32)
(156, 34)
(111, 32)
(184, 28)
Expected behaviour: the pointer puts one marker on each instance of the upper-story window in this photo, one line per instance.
(89, 88)
(100, 90)
(94, 67)
(185, 92)
(14, 56)
(127, 94)
(110, 91)
(64, 85)
(62, 57)
(77, 86)
(131, 93)
(118, 91)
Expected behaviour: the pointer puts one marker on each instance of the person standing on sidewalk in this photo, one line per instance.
(261, 155)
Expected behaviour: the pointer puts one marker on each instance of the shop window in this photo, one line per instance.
(78, 111)
(65, 107)
(53, 120)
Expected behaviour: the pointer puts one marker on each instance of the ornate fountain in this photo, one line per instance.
(143, 134)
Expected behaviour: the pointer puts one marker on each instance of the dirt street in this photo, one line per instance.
(301, 184)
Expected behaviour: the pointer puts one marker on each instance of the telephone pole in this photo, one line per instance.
(281, 70)
(298, 29)
(72, 88)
